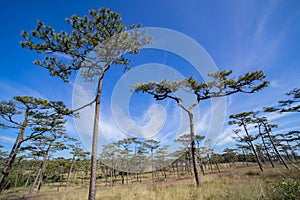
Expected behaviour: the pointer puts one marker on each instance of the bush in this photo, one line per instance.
(290, 189)
(286, 190)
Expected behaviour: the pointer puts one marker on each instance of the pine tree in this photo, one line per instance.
(220, 85)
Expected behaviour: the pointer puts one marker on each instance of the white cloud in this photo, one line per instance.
(264, 19)
(11, 89)
(7, 139)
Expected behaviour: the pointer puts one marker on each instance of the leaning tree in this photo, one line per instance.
(47, 144)
(220, 85)
(244, 119)
(268, 128)
(261, 134)
(77, 152)
(30, 117)
(96, 42)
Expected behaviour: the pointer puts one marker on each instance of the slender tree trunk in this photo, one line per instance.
(201, 163)
(245, 157)
(29, 176)
(202, 168)
(187, 164)
(274, 146)
(111, 177)
(16, 180)
(253, 149)
(173, 168)
(13, 154)
(210, 164)
(82, 178)
(8, 166)
(34, 182)
(218, 167)
(266, 148)
(39, 185)
(177, 169)
(127, 170)
(122, 178)
(92, 188)
(41, 170)
(292, 151)
(193, 149)
(70, 172)
(28, 179)
(44, 164)
(287, 154)
(152, 172)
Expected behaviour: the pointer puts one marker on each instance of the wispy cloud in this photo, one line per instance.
(7, 139)
(264, 19)
(10, 89)
(259, 39)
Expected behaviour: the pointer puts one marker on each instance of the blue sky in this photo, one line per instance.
(239, 35)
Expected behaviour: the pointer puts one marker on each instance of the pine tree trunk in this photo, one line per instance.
(122, 178)
(217, 165)
(34, 182)
(253, 149)
(177, 169)
(16, 180)
(13, 154)
(274, 146)
(70, 172)
(28, 178)
(92, 188)
(127, 169)
(152, 172)
(266, 148)
(193, 149)
(245, 157)
(44, 164)
(111, 177)
(39, 175)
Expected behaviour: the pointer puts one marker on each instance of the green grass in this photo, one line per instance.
(233, 183)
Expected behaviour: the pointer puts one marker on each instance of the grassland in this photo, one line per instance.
(232, 183)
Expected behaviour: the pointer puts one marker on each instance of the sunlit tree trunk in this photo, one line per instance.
(92, 188)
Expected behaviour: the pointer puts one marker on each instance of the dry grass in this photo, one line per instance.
(233, 183)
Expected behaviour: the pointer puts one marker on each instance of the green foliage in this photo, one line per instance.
(99, 34)
(42, 115)
(288, 189)
(288, 105)
(35, 119)
(220, 85)
(242, 118)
